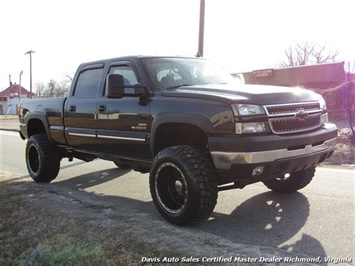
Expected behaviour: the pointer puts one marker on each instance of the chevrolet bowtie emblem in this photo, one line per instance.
(301, 113)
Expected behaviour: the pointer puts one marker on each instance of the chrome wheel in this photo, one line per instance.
(33, 160)
(183, 184)
(171, 188)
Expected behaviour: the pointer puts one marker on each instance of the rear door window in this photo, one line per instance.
(88, 83)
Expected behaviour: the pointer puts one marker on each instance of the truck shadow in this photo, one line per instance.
(95, 178)
(267, 219)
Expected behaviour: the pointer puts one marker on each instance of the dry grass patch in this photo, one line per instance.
(10, 240)
(61, 238)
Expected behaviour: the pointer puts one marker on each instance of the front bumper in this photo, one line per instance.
(225, 160)
(236, 157)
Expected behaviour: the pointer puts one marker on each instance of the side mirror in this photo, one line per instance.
(116, 87)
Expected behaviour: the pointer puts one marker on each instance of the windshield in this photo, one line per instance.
(168, 73)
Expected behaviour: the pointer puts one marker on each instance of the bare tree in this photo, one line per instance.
(308, 53)
(69, 77)
(57, 88)
(40, 88)
(62, 88)
(67, 81)
(349, 104)
(50, 91)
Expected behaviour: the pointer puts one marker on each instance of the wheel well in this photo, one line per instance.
(171, 134)
(35, 126)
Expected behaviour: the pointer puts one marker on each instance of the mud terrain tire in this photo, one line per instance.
(183, 184)
(42, 159)
(294, 182)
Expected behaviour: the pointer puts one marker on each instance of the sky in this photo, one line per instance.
(241, 35)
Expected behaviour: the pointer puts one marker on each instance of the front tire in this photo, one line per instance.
(183, 184)
(292, 182)
(42, 159)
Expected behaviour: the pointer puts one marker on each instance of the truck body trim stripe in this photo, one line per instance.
(82, 135)
(120, 138)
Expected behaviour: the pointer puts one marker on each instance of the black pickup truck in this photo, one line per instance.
(187, 122)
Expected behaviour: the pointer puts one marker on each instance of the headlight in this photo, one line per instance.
(247, 109)
(322, 104)
(323, 108)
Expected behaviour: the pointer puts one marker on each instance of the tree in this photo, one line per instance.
(54, 88)
(40, 88)
(349, 104)
(51, 88)
(308, 53)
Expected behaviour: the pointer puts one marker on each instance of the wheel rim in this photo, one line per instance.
(284, 177)
(33, 159)
(171, 188)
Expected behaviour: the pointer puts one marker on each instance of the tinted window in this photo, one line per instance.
(88, 83)
(127, 73)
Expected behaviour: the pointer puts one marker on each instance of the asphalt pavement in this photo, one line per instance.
(9, 122)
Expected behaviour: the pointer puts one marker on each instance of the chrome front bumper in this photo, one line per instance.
(225, 160)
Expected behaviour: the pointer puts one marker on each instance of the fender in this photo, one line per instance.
(199, 121)
(26, 131)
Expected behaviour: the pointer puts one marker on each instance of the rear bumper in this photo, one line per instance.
(236, 158)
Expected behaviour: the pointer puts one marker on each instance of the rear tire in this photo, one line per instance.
(291, 183)
(42, 159)
(183, 184)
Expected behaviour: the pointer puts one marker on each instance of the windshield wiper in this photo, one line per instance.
(178, 86)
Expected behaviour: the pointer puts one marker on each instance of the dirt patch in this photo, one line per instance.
(344, 153)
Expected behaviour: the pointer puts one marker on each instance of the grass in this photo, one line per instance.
(10, 242)
(61, 238)
(63, 249)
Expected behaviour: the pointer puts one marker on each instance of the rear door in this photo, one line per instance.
(80, 108)
(123, 125)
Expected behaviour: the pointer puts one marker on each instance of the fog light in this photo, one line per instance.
(252, 127)
(258, 170)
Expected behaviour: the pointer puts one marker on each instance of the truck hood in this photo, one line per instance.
(255, 94)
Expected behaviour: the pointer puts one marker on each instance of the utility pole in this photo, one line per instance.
(19, 91)
(30, 53)
(201, 28)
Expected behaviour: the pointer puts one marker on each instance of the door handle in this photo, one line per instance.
(72, 108)
(102, 108)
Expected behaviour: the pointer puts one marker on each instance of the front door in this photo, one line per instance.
(123, 125)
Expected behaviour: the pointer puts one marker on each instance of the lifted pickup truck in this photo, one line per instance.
(185, 121)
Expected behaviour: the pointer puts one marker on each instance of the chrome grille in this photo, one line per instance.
(294, 118)
(286, 109)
